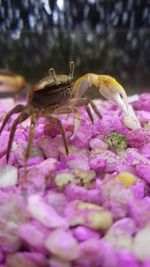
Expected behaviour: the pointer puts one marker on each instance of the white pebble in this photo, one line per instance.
(119, 239)
(64, 178)
(141, 244)
(8, 176)
(44, 213)
(63, 245)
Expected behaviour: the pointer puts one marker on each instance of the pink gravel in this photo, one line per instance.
(71, 211)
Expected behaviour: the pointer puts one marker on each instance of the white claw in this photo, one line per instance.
(122, 103)
(130, 119)
(116, 93)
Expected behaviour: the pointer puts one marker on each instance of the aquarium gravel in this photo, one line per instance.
(88, 209)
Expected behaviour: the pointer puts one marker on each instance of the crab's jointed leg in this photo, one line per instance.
(78, 102)
(22, 117)
(89, 113)
(31, 136)
(57, 121)
(77, 119)
(16, 109)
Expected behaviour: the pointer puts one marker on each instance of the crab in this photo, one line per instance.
(51, 96)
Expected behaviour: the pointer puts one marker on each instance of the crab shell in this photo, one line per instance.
(48, 92)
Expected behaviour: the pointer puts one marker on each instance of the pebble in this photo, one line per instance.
(98, 143)
(84, 178)
(141, 244)
(35, 156)
(119, 239)
(143, 171)
(145, 150)
(83, 233)
(126, 178)
(57, 201)
(78, 162)
(127, 225)
(64, 178)
(90, 253)
(63, 244)
(125, 258)
(100, 220)
(8, 176)
(74, 192)
(44, 213)
(98, 163)
(90, 215)
(139, 211)
(48, 147)
(48, 166)
(38, 234)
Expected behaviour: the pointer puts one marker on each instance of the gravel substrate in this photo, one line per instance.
(88, 209)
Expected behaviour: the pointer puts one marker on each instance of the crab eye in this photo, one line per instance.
(53, 75)
(72, 67)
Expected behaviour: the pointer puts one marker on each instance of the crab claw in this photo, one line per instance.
(130, 119)
(112, 90)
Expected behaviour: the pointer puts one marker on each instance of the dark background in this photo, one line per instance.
(102, 36)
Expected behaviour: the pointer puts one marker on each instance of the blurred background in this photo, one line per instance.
(101, 36)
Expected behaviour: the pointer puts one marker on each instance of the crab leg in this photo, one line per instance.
(69, 109)
(89, 113)
(16, 109)
(57, 121)
(95, 108)
(65, 110)
(31, 136)
(78, 102)
(22, 117)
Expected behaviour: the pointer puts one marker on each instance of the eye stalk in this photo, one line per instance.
(53, 75)
(72, 67)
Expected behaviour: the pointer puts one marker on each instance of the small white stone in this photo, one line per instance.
(44, 213)
(119, 239)
(6, 104)
(63, 179)
(8, 176)
(63, 245)
(141, 244)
